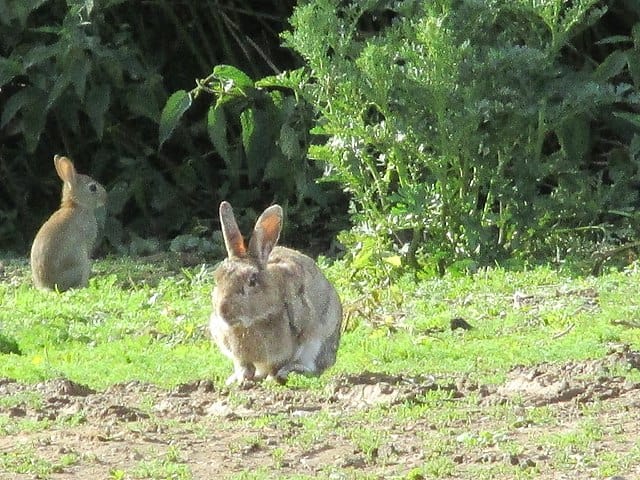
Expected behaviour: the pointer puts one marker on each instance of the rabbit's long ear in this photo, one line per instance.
(66, 170)
(266, 234)
(232, 237)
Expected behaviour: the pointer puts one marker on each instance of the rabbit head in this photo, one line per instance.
(243, 274)
(77, 189)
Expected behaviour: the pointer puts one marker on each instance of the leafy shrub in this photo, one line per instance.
(90, 78)
(261, 132)
(474, 131)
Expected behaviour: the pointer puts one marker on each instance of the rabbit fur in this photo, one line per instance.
(274, 311)
(61, 248)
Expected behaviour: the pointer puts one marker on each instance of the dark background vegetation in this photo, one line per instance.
(526, 147)
(89, 79)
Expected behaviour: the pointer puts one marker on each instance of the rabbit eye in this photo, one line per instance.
(253, 280)
(93, 188)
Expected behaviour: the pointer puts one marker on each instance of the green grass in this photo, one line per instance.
(147, 322)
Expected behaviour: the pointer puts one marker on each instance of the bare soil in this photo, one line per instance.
(220, 432)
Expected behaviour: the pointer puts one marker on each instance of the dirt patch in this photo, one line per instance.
(130, 429)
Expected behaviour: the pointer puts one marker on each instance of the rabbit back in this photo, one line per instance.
(315, 311)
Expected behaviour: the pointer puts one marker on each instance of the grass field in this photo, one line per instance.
(120, 380)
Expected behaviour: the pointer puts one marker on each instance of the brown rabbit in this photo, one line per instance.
(274, 312)
(61, 249)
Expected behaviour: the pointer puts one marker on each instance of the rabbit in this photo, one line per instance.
(61, 248)
(274, 311)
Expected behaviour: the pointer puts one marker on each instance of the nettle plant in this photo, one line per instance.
(471, 131)
(260, 130)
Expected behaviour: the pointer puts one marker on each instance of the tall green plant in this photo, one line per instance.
(261, 131)
(464, 130)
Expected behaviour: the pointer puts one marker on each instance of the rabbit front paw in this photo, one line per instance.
(242, 374)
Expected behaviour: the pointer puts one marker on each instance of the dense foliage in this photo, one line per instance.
(90, 78)
(474, 131)
(462, 131)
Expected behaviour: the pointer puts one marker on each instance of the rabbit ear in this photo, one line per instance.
(66, 170)
(232, 237)
(266, 234)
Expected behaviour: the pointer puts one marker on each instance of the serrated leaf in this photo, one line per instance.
(634, 147)
(34, 115)
(178, 103)
(78, 70)
(630, 117)
(248, 123)
(59, 86)
(15, 103)
(614, 39)
(362, 259)
(574, 136)
(294, 79)
(611, 66)
(9, 69)
(217, 130)
(233, 76)
(289, 142)
(38, 54)
(633, 61)
(257, 140)
(97, 105)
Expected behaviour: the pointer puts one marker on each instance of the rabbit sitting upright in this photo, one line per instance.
(274, 311)
(61, 248)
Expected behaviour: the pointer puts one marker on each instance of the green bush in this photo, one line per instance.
(90, 78)
(472, 131)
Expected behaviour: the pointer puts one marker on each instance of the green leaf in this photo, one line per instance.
(393, 260)
(248, 123)
(34, 115)
(79, 68)
(289, 142)
(9, 69)
(15, 103)
(633, 60)
(59, 86)
(630, 117)
(40, 53)
(176, 105)
(574, 136)
(257, 140)
(97, 104)
(232, 77)
(611, 66)
(217, 129)
(141, 101)
(614, 39)
(362, 259)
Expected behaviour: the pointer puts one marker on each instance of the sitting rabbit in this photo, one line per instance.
(61, 249)
(274, 312)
